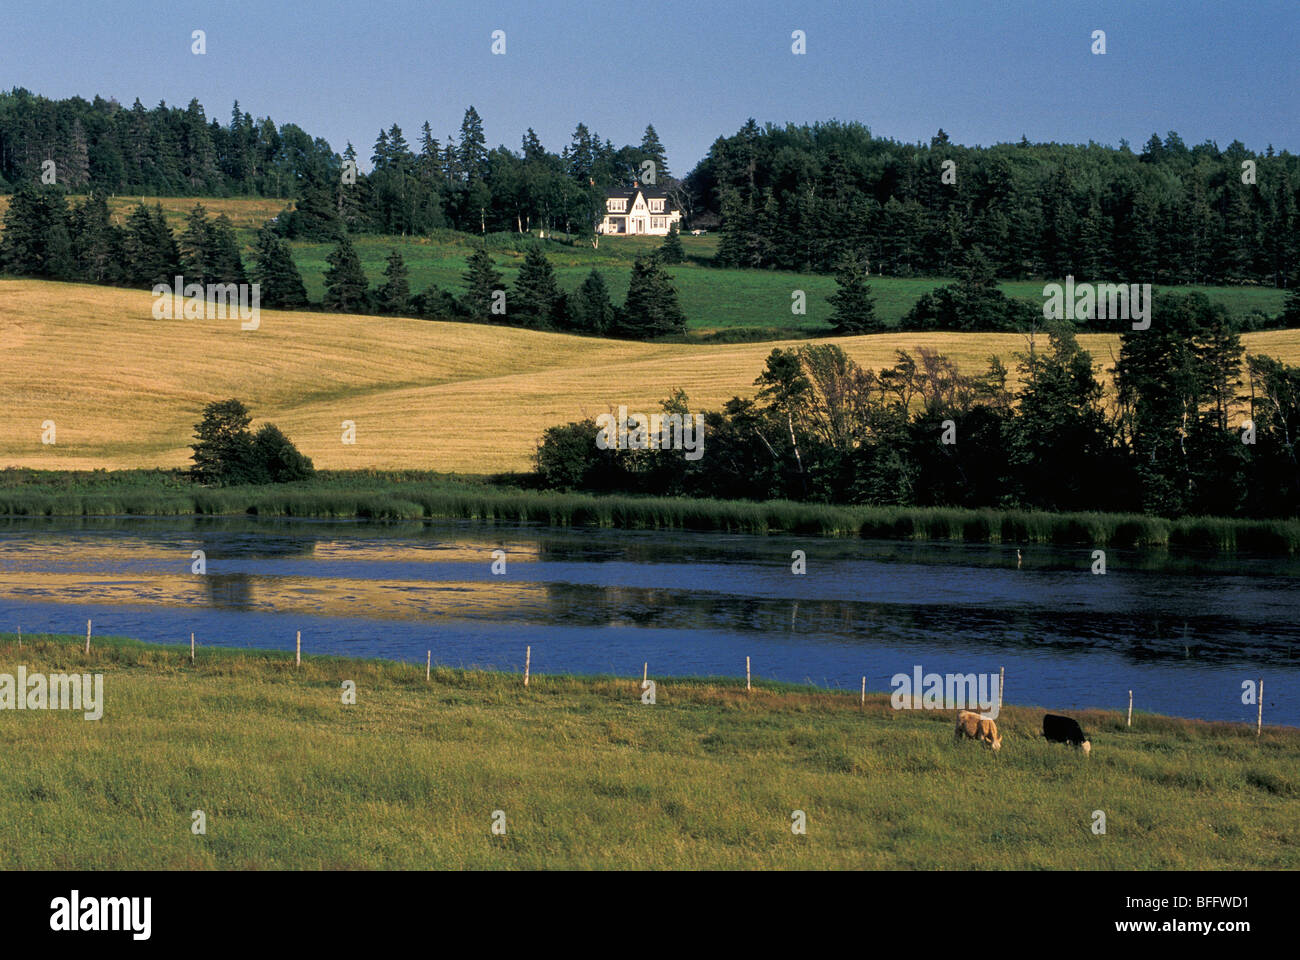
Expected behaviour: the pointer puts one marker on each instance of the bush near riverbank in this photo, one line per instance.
(588, 777)
(414, 495)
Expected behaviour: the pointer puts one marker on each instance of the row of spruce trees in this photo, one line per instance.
(44, 237)
(534, 300)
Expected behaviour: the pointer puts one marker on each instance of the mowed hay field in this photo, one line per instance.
(587, 777)
(125, 390)
(245, 213)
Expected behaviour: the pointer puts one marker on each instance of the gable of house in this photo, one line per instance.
(641, 209)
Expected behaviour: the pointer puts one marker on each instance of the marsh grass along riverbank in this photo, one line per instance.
(412, 495)
(587, 775)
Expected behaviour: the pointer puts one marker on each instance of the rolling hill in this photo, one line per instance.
(124, 390)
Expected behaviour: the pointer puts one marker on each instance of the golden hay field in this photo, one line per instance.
(249, 212)
(125, 390)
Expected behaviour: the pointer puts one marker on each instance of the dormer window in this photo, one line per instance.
(656, 206)
(617, 206)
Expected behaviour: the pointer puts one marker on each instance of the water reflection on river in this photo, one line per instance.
(1182, 633)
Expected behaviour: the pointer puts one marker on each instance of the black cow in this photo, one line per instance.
(1059, 729)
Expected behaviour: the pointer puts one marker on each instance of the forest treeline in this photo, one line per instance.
(804, 197)
(1189, 427)
(45, 237)
(792, 197)
(456, 181)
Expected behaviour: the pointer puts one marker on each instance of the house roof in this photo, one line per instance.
(629, 193)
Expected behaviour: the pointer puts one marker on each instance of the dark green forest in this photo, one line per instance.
(804, 197)
(795, 197)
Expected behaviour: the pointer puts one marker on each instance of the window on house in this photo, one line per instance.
(657, 206)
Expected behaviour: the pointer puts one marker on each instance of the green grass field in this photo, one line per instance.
(713, 299)
(589, 777)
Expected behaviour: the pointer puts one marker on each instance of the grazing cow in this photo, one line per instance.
(1058, 729)
(974, 727)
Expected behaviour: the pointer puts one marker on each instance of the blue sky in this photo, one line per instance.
(984, 70)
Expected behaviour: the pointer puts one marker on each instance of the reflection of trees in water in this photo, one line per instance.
(229, 589)
(269, 547)
(640, 547)
(1139, 638)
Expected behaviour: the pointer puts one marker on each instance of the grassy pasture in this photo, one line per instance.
(589, 777)
(713, 299)
(125, 390)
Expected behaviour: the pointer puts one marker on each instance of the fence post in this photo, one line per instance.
(428, 663)
(1259, 719)
(1130, 708)
(87, 638)
(528, 662)
(747, 686)
(191, 648)
(297, 657)
(863, 704)
(1002, 677)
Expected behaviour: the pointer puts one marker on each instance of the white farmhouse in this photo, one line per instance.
(640, 210)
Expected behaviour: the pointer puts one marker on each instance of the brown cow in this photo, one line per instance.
(972, 726)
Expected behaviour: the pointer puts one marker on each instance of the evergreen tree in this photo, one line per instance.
(590, 308)
(533, 300)
(346, 287)
(472, 149)
(429, 164)
(316, 214)
(96, 242)
(350, 202)
(854, 306)
(436, 304)
(394, 295)
(1290, 317)
(482, 282)
(196, 247)
(651, 309)
(149, 249)
(652, 149)
(1093, 253)
(35, 241)
(224, 261)
(672, 251)
(280, 284)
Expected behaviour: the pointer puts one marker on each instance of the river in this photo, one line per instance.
(1182, 633)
